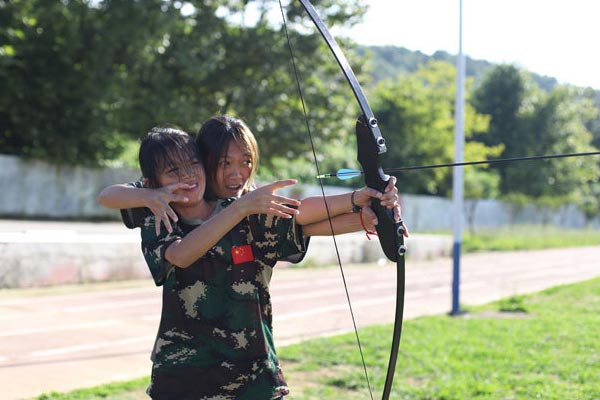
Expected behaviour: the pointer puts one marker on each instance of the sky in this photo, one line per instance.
(558, 38)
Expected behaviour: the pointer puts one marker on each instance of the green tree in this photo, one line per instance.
(528, 122)
(556, 125)
(501, 95)
(417, 112)
(84, 77)
(62, 64)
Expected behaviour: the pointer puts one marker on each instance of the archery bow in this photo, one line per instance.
(370, 146)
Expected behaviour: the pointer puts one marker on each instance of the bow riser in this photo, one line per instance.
(389, 231)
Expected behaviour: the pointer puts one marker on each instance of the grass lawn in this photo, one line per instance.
(528, 237)
(540, 346)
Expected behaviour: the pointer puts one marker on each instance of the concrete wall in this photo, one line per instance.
(41, 253)
(72, 253)
(35, 189)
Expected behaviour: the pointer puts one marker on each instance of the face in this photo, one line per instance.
(190, 172)
(233, 172)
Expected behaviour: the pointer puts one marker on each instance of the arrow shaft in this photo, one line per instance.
(496, 161)
(346, 173)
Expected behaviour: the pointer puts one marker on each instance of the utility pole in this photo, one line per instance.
(458, 172)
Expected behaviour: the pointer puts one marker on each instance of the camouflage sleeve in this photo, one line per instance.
(134, 217)
(154, 248)
(289, 241)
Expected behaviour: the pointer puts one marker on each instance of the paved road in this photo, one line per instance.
(56, 339)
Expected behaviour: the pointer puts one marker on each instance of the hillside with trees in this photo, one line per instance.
(388, 62)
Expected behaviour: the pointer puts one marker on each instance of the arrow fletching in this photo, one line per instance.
(345, 173)
(342, 174)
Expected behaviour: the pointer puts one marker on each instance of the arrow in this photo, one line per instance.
(346, 173)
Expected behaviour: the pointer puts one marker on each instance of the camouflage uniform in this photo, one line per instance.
(215, 339)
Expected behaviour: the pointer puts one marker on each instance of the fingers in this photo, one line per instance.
(164, 214)
(279, 184)
(284, 212)
(362, 197)
(158, 219)
(265, 194)
(406, 234)
(264, 201)
(157, 226)
(390, 198)
(285, 200)
(281, 209)
(172, 215)
(391, 183)
(171, 189)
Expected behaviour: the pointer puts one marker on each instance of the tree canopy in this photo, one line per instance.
(82, 80)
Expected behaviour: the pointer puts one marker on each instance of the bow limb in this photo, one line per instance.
(371, 145)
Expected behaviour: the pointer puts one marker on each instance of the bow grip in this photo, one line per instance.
(370, 146)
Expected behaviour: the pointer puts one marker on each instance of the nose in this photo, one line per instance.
(234, 171)
(186, 172)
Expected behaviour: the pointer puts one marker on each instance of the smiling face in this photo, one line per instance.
(188, 171)
(169, 156)
(233, 172)
(230, 155)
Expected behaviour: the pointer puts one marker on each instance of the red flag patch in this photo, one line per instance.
(242, 254)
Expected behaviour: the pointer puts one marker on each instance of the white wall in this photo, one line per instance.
(31, 189)
(35, 189)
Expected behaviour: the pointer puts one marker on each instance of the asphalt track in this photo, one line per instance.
(60, 339)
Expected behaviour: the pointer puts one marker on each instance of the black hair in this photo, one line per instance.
(162, 148)
(213, 140)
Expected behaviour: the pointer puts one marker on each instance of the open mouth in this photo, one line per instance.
(192, 187)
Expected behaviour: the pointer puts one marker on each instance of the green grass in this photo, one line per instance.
(528, 237)
(130, 390)
(539, 346)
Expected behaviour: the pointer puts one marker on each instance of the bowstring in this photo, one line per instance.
(312, 145)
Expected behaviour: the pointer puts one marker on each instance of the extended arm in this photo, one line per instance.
(183, 252)
(313, 209)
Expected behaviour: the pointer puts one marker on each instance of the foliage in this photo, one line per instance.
(528, 122)
(63, 64)
(417, 112)
(84, 80)
(86, 77)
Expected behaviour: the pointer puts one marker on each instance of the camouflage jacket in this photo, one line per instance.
(215, 339)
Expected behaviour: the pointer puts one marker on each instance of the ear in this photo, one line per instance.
(145, 182)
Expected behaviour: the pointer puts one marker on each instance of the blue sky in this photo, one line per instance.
(550, 37)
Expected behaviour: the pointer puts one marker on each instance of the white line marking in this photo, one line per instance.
(87, 325)
(91, 346)
(334, 307)
(113, 305)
